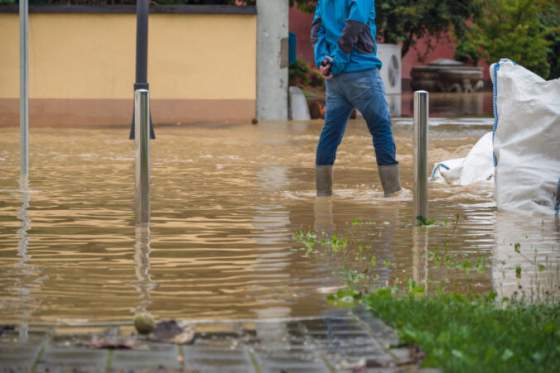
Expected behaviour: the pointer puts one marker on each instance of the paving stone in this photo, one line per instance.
(343, 342)
(159, 355)
(48, 368)
(18, 356)
(378, 329)
(217, 360)
(153, 370)
(402, 355)
(291, 365)
(71, 357)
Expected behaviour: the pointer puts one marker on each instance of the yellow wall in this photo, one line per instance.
(92, 56)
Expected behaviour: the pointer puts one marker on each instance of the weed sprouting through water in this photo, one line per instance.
(308, 239)
(336, 243)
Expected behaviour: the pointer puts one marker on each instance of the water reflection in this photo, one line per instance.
(323, 215)
(388, 218)
(142, 249)
(453, 105)
(271, 221)
(25, 272)
(420, 268)
(526, 257)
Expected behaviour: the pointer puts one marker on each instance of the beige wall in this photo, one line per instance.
(75, 59)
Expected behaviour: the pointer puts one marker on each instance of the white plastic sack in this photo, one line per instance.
(479, 163)
(448, 171)
(526, 139)
(477, 166)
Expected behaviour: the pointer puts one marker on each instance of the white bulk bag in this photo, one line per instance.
(526, 139)
(476, 167)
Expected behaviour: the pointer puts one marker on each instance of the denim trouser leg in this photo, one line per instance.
(336, 117)
(367, 93)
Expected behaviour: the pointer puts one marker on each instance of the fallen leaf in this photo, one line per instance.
(173, 332)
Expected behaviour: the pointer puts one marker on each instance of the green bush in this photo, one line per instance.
(509, 29)
(550, 18)
(302, 75)
(406, 21)
(128, 2)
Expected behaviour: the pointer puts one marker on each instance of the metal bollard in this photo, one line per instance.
(421, 114)
(24, 85)
(142, 140)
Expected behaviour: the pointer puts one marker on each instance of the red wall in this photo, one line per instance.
(300, 23)
(420, 54)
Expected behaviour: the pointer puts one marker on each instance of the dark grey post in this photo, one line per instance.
(142, 13)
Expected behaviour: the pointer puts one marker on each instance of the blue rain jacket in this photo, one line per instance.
(345, 31)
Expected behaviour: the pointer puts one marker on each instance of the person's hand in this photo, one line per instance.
(325, 67)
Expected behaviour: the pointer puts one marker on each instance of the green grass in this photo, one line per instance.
(469, 333)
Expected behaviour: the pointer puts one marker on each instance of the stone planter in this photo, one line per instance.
(447, 76)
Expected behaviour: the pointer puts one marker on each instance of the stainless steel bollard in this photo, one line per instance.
(24, 85)
(421, 114)
(142, 140)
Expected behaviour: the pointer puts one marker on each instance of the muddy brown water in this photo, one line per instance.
(226, 203)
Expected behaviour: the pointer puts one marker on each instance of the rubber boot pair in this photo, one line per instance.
(389, 176)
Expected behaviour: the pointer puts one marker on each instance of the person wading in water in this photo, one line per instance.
(343, 35)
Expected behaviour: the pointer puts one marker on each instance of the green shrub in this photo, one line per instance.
(509, 29)
(302, 75)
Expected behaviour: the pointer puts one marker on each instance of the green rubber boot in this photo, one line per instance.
(390, 179)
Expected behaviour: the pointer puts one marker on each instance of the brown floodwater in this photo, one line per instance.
(227, 201)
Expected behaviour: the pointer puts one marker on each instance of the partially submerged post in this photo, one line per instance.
(421, 114)
(141, 82)
(24, 85)
(142, 136)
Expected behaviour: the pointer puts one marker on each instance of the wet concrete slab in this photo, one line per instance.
(18, 356)
(339, 341)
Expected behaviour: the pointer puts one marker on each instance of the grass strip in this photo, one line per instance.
(468, 333)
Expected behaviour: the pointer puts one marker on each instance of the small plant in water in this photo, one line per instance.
(353, 277)
(357, 221)
(479, 265)
(440, 257)
(518, 271)
(337, 244)
(425, 222)
(388, 264)
(308, 239)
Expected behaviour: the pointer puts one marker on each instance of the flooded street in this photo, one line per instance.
(227, 201)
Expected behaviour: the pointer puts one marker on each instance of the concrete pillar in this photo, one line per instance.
(272, 60)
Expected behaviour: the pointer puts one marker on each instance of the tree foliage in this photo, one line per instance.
(133, 2)
(521, 30)
(405, 21)
(550, 19)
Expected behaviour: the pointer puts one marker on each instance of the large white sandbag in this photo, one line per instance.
(448, 171)
(477, 166)
(479, 163)
(526, 139)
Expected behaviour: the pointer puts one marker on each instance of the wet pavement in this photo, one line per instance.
(340, 341)
(227, 204)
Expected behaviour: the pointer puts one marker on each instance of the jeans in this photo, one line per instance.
(364, 91)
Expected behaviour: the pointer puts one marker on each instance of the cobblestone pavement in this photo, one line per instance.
(341, 341)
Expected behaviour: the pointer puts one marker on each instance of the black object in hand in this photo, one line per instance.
(327, 62)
